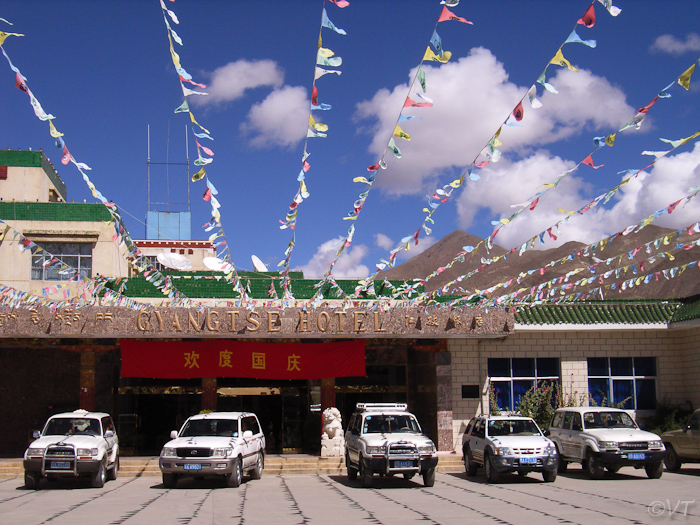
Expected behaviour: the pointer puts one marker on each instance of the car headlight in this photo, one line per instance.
(168, 452)
(656, 444)
(223, 452)
(35, 452)
(427, 449)
(609, 444)
(86, 452)
(502, 451)
(376, 450)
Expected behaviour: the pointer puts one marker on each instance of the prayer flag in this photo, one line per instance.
(449, 15)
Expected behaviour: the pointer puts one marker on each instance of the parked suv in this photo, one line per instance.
(683, 446)
(508, 444)
(73, 444)
(604, 438)
(386, 439)
(219, 444)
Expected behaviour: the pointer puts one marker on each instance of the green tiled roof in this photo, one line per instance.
(688, 310)
(203, 285)
(599, 312)
(33, 159)
(53, 211)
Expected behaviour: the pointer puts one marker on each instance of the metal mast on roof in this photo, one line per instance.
(167, 163)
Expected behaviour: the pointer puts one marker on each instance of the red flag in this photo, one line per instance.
(413, 104)
(588, 18)
(19, 84)
(646, 108)
(373, 167)
(207, 195)
(449, 15)
(534, 203)
(65, 159)
(415, 235)
(549, 231)
(672, 207)
(341, 3)
(518, 111)
(314, 96)
(589, 162)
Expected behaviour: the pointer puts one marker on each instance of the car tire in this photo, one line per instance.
(594, 467)
(100, 475)
(256, 473)
(235, 477)
(549, 476)
(429, 478)
(492, 474)
(352, 471)
(654, 470)
(365, 475)
(169, 481)
(114, 471)
(563, 464)
(31, 480)
(469, 465)
(672, 461)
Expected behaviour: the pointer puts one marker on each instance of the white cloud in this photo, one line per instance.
(383, 241)
(672, 45)
(472, 97)
(347, 267)
(230, 82)
(280, 120)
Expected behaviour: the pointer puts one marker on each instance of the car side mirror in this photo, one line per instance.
(109, 433)
(546, 433)
(247, 434)
(36, 434)
(173, 434)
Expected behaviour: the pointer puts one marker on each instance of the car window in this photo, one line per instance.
(210, 427)
(388, 423)
(576, 424)
(558, 419)
(481, 431)
(694, 423)
(107, 424)
(251, 423)
(72, 425)
(608, 420)
(568, 417)
(512, 427)
(475, 427)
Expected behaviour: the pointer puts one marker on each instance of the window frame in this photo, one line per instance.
(634, 379)
(59, 249)
(535, 379)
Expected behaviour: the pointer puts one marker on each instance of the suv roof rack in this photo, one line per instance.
(382, 406)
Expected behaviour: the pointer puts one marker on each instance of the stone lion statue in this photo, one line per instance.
(332, 424)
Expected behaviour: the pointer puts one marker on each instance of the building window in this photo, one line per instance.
(153, 259)
(3, 172)
(510, 378)
(627, 381)
(62, 261)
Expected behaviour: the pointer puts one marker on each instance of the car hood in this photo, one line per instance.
(203, 441)
(621, 434)
(521, 441)
(78, 441)
(672, 433)
(392, 437)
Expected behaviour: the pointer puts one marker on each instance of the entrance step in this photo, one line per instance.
(131, 466)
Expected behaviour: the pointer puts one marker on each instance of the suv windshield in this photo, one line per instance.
(513, 427)
(67, 426)
(210, 427)
(608, 420)
(388, 423)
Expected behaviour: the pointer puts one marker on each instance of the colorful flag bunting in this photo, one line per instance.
(446, 14)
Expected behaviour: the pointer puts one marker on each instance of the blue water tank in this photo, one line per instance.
(169, 225)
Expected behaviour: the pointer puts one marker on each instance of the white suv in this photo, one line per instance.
(385, 438)
(224, 444)
(73, 444)
(605, 438)
(508, 444)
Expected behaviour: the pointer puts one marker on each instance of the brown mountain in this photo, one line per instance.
(653, 251)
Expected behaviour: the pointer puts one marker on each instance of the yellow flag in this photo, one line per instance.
(4, 35)
(559, 60)
(54, 132)
(429, 55)
(317, 126)
(398, 132)
(683, 141)
(683, 80)
(176, 57)
(2, 233)
(610, 140)
(325, 52)
(195, 122)
(199, 175)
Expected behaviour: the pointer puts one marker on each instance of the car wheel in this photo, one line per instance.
(169, 481)
(549, 475)
(352, 471)
(429, 477)
(100, 475)
(469, 465)
(114, 471)
(235, 478)
(594, 467)
(563, 465)
(365, 475)
(256, 473)
(31, 480)
(408, 475)
(672, 461)
(654, 470)
(492, 474)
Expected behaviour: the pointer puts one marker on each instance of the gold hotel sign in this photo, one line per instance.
(260, 322)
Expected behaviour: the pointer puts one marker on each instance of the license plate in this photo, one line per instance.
(528, 461)
(60, 464)
(403, 464)
(193, 466)
(636, 455)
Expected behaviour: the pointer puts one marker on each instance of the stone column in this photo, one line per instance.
(209, 393)
(88, 361)
(443, 369)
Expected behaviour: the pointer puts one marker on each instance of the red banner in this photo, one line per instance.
(219, 358)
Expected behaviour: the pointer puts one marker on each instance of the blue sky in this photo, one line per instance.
(104, 70)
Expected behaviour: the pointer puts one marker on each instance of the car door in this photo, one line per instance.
(689, 440)
(251, 445)
(477, 439)
(107, 424)
(576, 443)
(351, 437)
(565, 435)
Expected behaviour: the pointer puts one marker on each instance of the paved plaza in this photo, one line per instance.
(625, 498)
